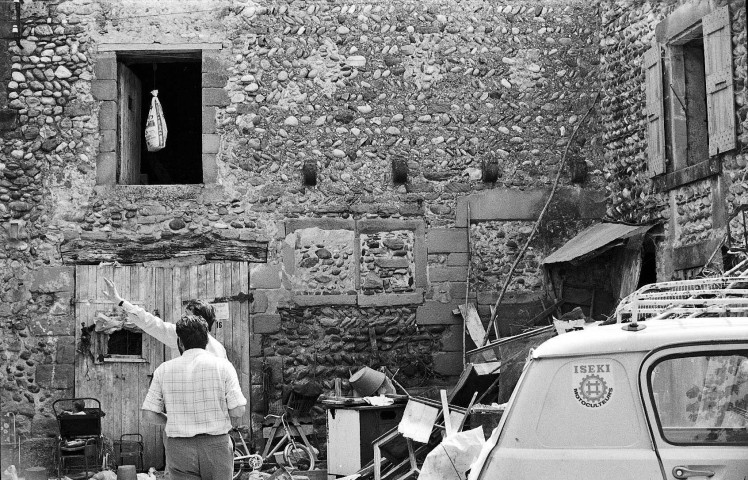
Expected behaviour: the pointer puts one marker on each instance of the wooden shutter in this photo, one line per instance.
(652, 64)
(720, 100)
(130, 130)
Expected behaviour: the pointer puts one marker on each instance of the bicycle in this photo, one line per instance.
(243, 459)
(295, 455)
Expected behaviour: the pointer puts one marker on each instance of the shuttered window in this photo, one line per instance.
(652, 65)
(719, 83)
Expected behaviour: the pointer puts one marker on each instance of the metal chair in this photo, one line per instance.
(130, 449)
(80, 439)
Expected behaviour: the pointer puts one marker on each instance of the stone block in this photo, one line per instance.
(53, 279)
(513, 204)
(260, 302)
(395, 262)
(265, 275)
(108, 141)
(322, 223)
(440, 273)
(214, 79)
(452, 339)
(210, 168)
(257, 399)
(266, 323)
(255, 346)
(65, 349)
(212, 62)
(211, 143)
(108, 116)
(390, 299)
(106, 168)
(446, 240)
(104, 89)
(52, 325)
(209, 119)
(105, 67)
(437, 313)
(457, 259)
(55, 376)
(448, 363)
(317, 300)
(215, 97)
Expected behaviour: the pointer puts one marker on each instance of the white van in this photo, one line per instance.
(662, 399)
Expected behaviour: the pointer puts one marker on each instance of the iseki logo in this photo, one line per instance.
(592, 384)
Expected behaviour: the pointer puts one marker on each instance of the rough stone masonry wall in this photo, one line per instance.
(627, 32)
(445, 85)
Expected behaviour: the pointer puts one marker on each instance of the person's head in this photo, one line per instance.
(192, 332)
(204, 310)
(79, 405)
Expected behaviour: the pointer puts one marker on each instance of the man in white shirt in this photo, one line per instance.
(202, 395)
(166, 332)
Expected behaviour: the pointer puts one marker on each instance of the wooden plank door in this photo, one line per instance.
(216, 283)
(120, 386)
(130, 128)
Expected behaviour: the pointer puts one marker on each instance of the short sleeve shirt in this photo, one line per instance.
(196, 390)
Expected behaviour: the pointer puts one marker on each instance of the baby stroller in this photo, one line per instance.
(80, 440)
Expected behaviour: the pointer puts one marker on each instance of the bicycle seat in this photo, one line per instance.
(244, 429)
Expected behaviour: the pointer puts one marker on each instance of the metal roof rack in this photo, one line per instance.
(725, 295)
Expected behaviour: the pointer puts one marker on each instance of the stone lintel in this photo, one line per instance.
(322, 223)
(375, 225)
(390, 299)
(317, 300)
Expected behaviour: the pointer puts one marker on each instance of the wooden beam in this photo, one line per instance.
(92, 251)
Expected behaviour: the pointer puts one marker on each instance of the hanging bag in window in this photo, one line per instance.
(155, 127)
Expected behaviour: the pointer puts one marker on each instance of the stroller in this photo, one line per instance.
(80, 440)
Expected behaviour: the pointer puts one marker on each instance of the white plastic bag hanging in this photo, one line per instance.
(155, 127)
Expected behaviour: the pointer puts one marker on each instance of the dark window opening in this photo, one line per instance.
(178, 79)
(695, 101)
(125, 342)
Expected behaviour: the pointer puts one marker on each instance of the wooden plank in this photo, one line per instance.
(139, 250)
(233, 330)
(159, 356)
(243, 335)
(474, 327)
(210, 281)
(194, 280)
(202, 281)
(218, 292)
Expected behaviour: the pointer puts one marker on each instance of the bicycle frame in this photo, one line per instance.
(287, 437)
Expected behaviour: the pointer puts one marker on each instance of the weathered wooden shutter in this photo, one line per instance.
(130, 131)
(652, 64)
(720, 100)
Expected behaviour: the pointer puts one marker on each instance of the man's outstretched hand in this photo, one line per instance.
(110, 292)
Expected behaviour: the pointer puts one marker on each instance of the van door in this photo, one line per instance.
(696, 398)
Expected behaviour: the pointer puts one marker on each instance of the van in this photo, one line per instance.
(661, 399)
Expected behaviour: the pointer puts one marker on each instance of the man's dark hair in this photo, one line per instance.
(204, 310)
(192, 331)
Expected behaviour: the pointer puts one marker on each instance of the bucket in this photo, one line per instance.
(367, 381)
(126, 472)
(36, 473)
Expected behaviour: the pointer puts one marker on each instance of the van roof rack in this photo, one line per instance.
(726, 295)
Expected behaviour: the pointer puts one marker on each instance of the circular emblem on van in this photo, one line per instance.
(593, 384)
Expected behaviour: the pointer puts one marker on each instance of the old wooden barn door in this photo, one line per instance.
(121, 380)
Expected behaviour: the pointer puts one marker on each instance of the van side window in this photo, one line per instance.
(702, 399)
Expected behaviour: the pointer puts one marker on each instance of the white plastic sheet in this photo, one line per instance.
(453, 457)
(155, 127)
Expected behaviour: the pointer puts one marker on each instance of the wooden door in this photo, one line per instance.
(121, 386)
(130, 128)
(226, 285)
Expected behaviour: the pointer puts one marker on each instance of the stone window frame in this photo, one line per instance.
(105, 88)
(358, 227)
(668, 151)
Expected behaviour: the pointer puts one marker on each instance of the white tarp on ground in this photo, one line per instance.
(453, 457)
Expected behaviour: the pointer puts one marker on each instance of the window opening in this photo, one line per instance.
(125, 342)
(178, 79)
(702, 399)
(648, 272)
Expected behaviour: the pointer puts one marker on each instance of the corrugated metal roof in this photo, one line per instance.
(591, 239)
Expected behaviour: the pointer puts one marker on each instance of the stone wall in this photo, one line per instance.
(448, 87)
(694, 214)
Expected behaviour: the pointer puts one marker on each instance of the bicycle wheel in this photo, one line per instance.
(298, 457)
(239, 465)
